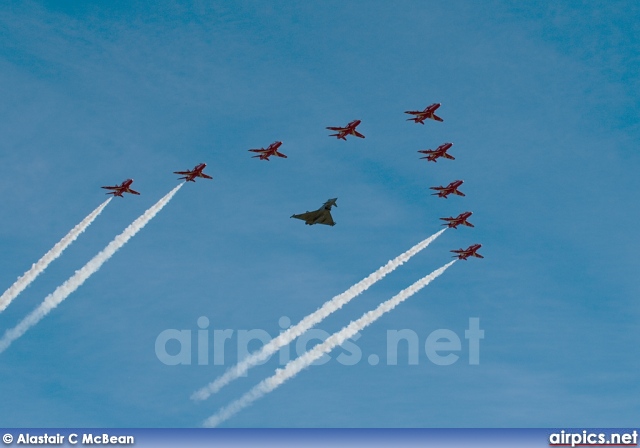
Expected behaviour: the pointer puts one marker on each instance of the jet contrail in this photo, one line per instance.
(63, 291)
(294, 367)
(38, 267)
(309, 321)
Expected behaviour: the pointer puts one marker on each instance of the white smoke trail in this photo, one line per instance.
(38, 267)
(305, 360)
(75, 281)
(309, 321)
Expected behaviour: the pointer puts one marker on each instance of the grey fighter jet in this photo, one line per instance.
(320, 216)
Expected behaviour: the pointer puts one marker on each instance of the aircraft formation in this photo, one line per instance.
(444, 191)
(323, 214)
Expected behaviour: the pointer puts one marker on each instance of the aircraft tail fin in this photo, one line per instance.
(331, 202)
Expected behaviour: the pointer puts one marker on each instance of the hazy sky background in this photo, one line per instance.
(540, 100)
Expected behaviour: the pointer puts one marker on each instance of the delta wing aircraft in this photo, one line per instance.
(320, 216)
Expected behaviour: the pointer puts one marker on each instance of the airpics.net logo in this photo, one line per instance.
(206, 345)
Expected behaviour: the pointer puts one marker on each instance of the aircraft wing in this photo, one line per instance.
(132, 191)
(183, 172)
(331, 128)
(316, 217)
(206, 176)
(258, 150)
(326, 219)
(447, 156)
(357, 134)
(308, 216)
(111, 188)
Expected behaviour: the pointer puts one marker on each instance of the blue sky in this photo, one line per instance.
(541, 102)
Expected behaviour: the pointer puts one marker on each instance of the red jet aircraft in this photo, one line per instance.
(452, 188)
(471, 251)
(440, 151)
(272, 150)
(421, 115)
(190, 176)
(349, 129)
(460, 220)
(122, 188)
